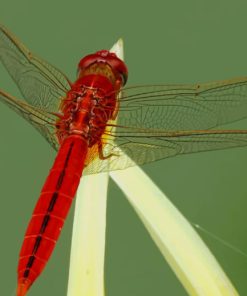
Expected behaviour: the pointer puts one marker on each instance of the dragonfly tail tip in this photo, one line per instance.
(23, 287)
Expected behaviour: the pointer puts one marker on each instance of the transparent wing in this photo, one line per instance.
(41, 84)
(42, 121)
(142, 146)
(184, 107)
(155, 122)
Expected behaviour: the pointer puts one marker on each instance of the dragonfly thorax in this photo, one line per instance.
(88, 106)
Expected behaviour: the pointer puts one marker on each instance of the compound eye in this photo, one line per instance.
(118, 66)
(124, 75)
(87, 61)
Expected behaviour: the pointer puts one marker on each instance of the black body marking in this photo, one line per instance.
(47, 215)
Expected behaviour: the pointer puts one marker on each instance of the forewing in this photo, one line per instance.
(184, 107)
(42, 121)
(41, 84)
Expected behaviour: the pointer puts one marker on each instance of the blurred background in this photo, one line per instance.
(165, 42)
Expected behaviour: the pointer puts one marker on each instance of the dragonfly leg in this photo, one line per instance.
(101, 155)
(115, 112)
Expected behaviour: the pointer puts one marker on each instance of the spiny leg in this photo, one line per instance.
(101, 154)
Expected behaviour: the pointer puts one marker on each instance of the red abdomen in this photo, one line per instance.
(50, 211)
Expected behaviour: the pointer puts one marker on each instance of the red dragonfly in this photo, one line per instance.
(79, 121)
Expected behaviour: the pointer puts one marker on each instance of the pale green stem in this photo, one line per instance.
(86, 274)
(188, 256)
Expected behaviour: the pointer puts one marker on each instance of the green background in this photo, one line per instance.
(165, 42)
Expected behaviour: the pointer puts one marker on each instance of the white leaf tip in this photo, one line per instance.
(117, 48)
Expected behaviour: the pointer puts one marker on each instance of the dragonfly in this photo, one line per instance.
(97, 124)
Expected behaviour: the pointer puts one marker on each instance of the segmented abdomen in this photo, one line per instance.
(51, 210)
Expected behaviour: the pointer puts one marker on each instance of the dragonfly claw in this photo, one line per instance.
(102, 156)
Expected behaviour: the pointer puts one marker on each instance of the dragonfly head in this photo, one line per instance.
(97, 63)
